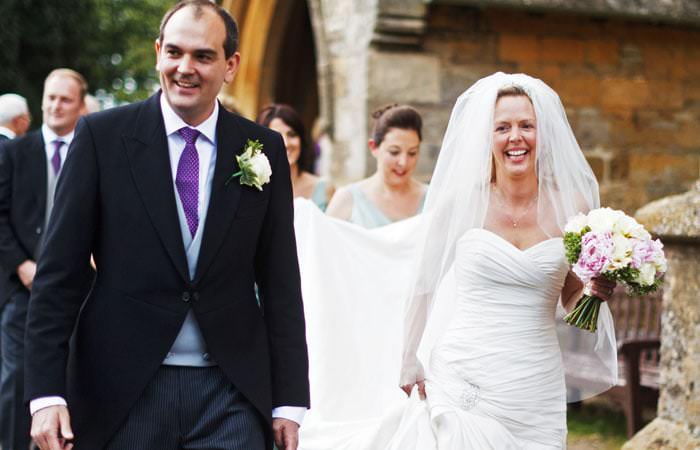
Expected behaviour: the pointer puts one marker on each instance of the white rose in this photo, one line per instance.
(603, 219)
(629, 227)
(647, 274)
(659, 258)
(660, 264)
(576, 223)
(622, 252)
(261, 168)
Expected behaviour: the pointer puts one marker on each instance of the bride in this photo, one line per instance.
(485, 276)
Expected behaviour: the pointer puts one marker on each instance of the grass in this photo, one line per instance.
(596, 425)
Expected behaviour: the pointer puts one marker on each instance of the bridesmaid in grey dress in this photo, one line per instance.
(391, 193)
(286, 121)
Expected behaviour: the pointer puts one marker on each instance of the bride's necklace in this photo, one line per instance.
(515, 220)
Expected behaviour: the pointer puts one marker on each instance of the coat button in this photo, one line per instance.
(185, 297)
(195, 296)
(38, 230)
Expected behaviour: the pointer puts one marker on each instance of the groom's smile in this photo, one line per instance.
(185, 84)
(186, 87)
(192, 62)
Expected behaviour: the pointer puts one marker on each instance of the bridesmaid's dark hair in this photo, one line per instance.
(288, 115)
(403, 117)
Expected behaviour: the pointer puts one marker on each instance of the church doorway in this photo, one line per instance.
(278, 57)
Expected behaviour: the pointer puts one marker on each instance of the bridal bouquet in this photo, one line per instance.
(608, 243)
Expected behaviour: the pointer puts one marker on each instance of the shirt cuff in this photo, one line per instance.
(44, 402)
(293, 413)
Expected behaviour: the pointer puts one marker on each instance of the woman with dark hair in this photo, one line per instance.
(286, 121)
(391, 193)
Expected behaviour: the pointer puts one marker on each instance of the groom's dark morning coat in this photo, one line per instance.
(115, 198)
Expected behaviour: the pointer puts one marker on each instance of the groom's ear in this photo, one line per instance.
(157, 48)
(232, 65)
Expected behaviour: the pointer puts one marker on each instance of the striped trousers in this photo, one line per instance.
(190, 408)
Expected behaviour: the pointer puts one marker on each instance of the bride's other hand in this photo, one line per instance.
(408, 388)
(603, 288)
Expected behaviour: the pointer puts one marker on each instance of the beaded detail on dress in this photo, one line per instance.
(469, 396)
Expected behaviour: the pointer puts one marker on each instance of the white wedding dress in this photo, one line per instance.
(495, 378)
(479, 312)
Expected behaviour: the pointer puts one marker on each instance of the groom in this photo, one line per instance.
(169, 346)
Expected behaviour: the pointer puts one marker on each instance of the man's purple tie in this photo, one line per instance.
(187, 178)
(56, 158)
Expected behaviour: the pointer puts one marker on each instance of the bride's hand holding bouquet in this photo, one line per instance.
(607, 244)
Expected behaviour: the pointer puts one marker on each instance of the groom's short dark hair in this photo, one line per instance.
(231, 42)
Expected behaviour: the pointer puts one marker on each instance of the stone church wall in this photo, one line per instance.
(631, 89)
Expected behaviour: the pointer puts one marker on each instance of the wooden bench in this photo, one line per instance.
(638, 328)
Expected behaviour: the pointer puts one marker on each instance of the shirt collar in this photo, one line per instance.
(173, 122)
(49, 135)
(7, 132)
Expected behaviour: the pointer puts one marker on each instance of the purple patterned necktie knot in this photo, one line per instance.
(56, 158)
(187, 178)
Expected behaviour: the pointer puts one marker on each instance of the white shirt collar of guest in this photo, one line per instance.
(49, 135)
(173, 122)
(7, 132)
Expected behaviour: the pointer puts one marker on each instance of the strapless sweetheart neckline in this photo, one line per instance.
(509, 244)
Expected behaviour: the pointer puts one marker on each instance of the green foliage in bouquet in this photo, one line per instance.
(572, 244)
(637, 289)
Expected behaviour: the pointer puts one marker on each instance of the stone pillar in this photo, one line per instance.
(348, 33)
(676, 220)
(343, 30)
(400, 70)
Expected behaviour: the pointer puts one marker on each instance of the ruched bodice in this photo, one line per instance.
(487, 265)
(506, 295)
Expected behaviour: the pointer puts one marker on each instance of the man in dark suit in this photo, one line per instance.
(14, 121)
(171, 349)
(14, 116)
(29, 168)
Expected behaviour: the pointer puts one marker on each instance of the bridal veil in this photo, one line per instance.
(458, 199)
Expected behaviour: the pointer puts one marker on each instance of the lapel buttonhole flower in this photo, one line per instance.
(253, 166)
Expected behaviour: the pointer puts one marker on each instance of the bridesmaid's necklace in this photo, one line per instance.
(517, 219)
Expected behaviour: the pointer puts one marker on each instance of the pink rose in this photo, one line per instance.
(646, 251)
(596, 251)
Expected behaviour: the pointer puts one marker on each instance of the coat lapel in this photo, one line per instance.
(147, 151)
(224, 199)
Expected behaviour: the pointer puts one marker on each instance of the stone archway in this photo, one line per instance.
(278, 57)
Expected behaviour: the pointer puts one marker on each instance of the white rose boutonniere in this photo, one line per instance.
(254, 167)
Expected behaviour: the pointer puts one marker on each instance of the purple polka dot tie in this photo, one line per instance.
(56, 158)
(187, 178)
